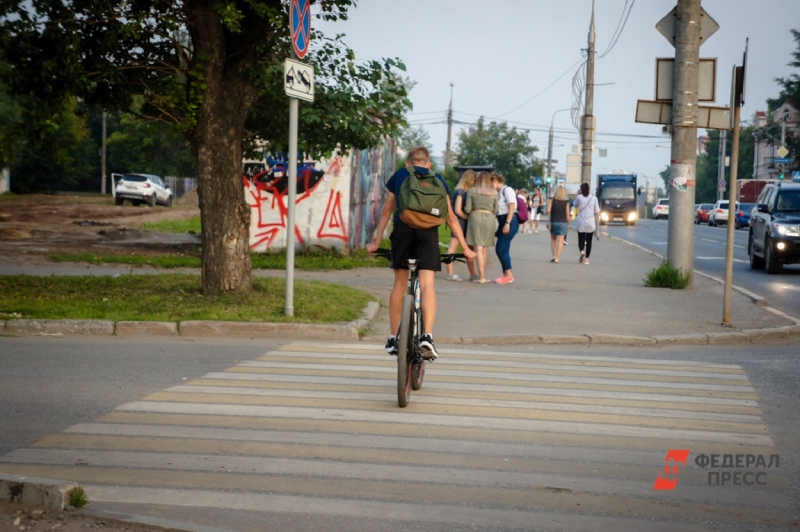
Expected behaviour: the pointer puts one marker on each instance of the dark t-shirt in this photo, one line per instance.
(396, 181)
(558, 213)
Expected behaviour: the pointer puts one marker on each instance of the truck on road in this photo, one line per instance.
(616, 194)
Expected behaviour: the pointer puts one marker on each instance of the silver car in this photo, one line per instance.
(142, 188)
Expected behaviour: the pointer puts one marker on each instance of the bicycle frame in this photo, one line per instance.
(410, 360)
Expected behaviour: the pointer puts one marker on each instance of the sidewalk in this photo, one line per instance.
(604, 302)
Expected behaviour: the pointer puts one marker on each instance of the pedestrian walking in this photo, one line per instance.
(482, 208)
(467, 181)
(558, 209)
(537, 206)
(586, 221)
(507, 226)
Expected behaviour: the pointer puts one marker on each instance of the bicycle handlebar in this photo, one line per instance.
(447, 258)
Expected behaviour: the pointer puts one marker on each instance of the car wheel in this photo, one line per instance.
(169, 202)
(151, 201)
(118, 201)
(756, 262)
(771, 263)
(136, 203)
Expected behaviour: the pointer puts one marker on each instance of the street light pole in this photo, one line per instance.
(447, 158)
(588, 124)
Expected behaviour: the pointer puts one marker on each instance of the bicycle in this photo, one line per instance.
(410, 358)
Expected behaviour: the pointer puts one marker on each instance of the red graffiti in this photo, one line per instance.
(333, 225)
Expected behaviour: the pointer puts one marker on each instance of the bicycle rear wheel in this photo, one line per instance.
(405, 350)
(417, 364)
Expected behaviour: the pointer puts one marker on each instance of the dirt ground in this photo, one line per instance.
(34, 226)
(15, 517)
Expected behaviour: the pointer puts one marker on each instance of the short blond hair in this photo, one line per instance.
(561, 194)
(419, 156)
(500, 179)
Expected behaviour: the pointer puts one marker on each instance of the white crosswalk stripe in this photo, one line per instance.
(493, 439)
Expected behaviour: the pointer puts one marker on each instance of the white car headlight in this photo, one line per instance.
(631, 216)
(604, 216)
(787, 230)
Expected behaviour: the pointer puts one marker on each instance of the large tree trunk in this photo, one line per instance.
(217, 143)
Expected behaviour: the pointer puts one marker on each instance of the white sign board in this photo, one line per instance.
(573, 174)
(574, 158)
(298, 80)
(707, 79)
(668, 26)
(708, 117)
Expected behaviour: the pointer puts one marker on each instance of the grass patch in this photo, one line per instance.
(311, 260)
(78, 497)
(173, 297)
(175, 226)
(668, 276)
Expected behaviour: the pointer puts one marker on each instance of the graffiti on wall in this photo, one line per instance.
(322, 193)
(338, 201)
(371, 170)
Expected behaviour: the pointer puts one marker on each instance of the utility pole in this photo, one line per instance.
(588, 125)
(723, 148)
(103, 157)
(447, 158)
(683, 157)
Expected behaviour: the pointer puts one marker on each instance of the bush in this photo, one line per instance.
(668, 276)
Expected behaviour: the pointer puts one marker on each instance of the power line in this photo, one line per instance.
(623, 19)
(542, 91)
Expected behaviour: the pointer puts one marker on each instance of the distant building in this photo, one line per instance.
(702, 142)
(765, 153)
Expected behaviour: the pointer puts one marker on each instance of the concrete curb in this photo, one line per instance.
(33, 491)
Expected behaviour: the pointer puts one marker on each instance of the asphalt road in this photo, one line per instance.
(50, 384)
(782, 291)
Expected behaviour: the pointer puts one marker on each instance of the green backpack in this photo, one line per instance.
(423, 200)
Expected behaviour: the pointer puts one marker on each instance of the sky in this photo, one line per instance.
(515, 60)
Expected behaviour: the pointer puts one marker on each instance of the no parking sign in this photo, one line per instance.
(300, 26)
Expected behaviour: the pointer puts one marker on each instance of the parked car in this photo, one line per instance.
(701, 212)
(142, 188)
(719, 213)
(661, 209)
(774, 230)
(742, 218)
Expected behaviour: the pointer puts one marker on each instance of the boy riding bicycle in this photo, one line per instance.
(410, 243)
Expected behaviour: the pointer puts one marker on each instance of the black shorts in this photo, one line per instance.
(420, 244)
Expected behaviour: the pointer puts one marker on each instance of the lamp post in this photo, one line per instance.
(550, 152)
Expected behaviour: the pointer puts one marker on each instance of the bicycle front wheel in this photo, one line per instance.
(405, 347)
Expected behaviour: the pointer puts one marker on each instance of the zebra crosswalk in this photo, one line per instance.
(513, 440)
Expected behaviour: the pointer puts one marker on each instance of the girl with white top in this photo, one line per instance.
(586, 221)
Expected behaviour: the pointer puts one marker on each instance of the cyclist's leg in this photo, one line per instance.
(427, 299)
(396, 299)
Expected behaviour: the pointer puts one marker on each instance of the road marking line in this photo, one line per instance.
(399, 416)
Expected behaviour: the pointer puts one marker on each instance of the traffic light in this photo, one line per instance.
(781, 171)
(550, 180)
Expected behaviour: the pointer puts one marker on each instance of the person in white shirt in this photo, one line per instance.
(586, 221)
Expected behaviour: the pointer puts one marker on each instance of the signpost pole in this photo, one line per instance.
(290, 199)
(737, 100)
(726, 300)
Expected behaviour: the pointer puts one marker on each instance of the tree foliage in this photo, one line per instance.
(414, 136)
(213, 69)
(790, 92)
(507, 148)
